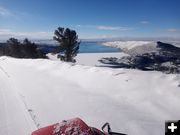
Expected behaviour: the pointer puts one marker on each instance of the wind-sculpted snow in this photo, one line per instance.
(134, 102)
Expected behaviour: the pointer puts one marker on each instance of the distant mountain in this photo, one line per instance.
(160, 56)
(141, 47)
(165, 47)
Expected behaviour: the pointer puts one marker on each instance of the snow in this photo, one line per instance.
(14, 118)
(133, 47)
(138, 47)
(37, 92)
(126, 44)
(71, 127)
(90, 59)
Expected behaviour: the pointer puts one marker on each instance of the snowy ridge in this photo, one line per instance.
(134, 102)
(133, 47)
(126, 44)
(138, 47)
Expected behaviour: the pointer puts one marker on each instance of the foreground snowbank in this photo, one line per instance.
(14, 117)
(134, 102)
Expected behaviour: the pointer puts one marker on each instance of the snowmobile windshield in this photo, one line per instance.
(96, 131)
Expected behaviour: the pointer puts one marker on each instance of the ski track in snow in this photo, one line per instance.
(31, 112)
(16, 123)
(2, 69)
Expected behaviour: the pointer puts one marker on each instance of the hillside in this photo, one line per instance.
(143, 55)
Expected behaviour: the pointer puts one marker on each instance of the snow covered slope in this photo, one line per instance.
(138, 47)
(133, 47)
(126, 44)
(35, 93)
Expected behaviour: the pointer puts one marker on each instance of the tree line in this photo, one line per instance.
(26, 49)
(67, 49)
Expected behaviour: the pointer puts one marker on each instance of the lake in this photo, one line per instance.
(95, 47)
(85, 47)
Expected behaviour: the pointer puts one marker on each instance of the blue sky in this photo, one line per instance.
(91, 19)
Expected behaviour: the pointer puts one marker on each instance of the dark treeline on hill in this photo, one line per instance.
(16, 49)
(67, 49)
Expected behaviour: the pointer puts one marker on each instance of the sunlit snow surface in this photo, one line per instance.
(36, 93)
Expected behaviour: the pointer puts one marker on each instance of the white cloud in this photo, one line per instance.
(79, 25)
(97, 36)
(4, 30)
(7, 33)
(85, 26)
(5, 12)
(104, 27)
(113, 28)
(173, 30)
(144, 22)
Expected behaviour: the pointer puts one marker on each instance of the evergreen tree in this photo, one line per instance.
(68, 43)
(13, 47)
(26, 49)
(29, 49)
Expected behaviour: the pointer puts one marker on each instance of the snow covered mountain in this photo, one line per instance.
(133, 47)
(146, 56)
(137, 47)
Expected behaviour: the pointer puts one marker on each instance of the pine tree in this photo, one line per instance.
(13, 47)
(29, 49)
(68, 43)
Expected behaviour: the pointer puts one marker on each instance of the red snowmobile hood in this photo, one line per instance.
(68, 127)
